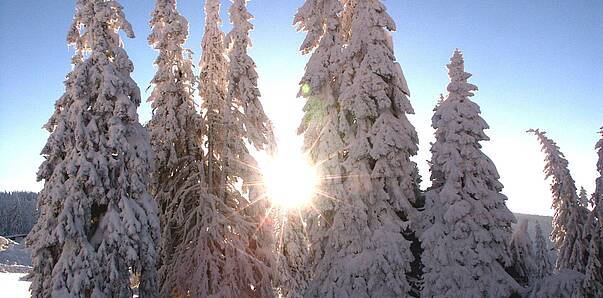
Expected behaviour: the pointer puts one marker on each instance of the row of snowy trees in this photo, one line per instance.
(18, 212)
(172, 213)
(577, 222)
(180, 204)
(372, 233)
(215, 238)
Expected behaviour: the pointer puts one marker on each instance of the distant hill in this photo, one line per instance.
(546, 223)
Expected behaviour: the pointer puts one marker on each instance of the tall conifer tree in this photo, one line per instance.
(227, 244)
(323, 131)
(593, 281)
(358, 245)
(246, 123)
(176, 130)
(97, 222)
(466, 244)
(569, 218)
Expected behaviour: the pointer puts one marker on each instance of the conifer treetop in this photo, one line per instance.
(459, 87)
(583, 197)
(321, 22)
(95, 26)
(319, 85)
(240, 18)
(242, 80)
(175, 127)
(214, 63)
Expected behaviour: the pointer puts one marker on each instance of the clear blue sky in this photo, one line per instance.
(537, 63)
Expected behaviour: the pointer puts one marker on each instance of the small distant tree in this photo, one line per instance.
(593, 281)
(568, 233)
(542, 259)
(523, 266)
(583, 198)
(97, 223)
(466, 244)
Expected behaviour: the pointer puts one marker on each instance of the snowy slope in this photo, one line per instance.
(12, 287)
(14, 263)
(14, 257)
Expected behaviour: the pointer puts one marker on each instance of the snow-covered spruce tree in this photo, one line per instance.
(242, 78)
(593, 281)
(225, 252)
(523, 266)
(213, 88)
(97, 222)
(563, 283)
(360, 250)
(569, 218)
(175, 131)
(324, 129)
(323, 125)
(583, 198)
(245, 121)
(292, 263)
(466, 245)
(542, 259)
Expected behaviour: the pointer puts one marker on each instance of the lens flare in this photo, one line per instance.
(305, 89)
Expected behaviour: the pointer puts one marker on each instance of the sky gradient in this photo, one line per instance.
(538, 64)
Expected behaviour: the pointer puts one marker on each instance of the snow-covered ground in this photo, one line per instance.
(14, 257)
(12, 287)
(14, 263)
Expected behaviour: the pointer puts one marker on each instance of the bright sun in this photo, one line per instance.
(290, 181)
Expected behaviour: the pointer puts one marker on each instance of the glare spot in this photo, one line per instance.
(290, 181)
(305, 89)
